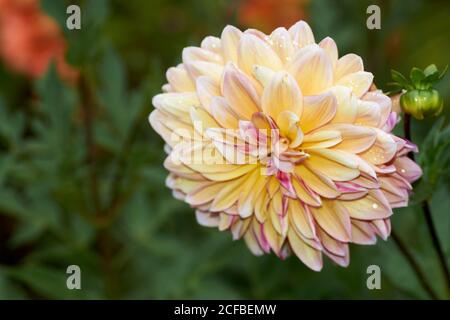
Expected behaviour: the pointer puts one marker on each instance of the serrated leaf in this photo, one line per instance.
(46, 281)
(435, 154)
(12, 125)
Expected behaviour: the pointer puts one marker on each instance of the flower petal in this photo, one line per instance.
(331, 49)
(229, 194)
(346, 105)
(382, 151)
(301, 219)
(282, 94)
(309, 256)
(253, 244)
(306, 195)
(317, 111)
(254, 51)
(223, 114)
(207, 89)
(281, 42)
(212, 44)
(263, 74)
(408, 169)
(203, 193)
(332, 245)
(332, 164)
(247, 199)
(203, 68)
(368, 114)
(301, 34)
(177, 105)
(198, 54)
(363, 232)
(372, 206)
(207, 219)
(334, 219)
(382, 227)
(355, 139)
(230, 41)
(384, 104)
(321, 139)
(350, 63)
(313, 70)
(179, 79)
(359, 82)
(319, 183)
(239, 92)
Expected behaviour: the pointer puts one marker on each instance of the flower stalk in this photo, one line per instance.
(428, 216)
(414, 265)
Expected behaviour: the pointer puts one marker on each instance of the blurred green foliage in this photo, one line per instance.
(82, 182)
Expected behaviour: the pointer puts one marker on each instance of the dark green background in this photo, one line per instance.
(135, 240)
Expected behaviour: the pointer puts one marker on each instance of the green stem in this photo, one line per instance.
(87, 109)
(414, 265)
(428, 216)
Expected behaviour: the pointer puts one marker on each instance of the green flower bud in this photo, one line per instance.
(420, 99)
(422, 103)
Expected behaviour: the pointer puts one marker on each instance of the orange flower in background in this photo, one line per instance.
(266, 15)
(30, 40)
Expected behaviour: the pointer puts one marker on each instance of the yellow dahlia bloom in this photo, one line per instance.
(280, 141)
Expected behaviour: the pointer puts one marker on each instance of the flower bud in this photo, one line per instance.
(422, 103)
(419, 99)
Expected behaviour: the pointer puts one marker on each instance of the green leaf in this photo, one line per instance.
(433, 75)
(417, 75)
(12, 126)
(435, 154)
(123, 105)
(431, 69)
(443, 72)
(45, 281)
(399, 78)
(394, 88)
(8, 289)
(26, 233)
(11, 204)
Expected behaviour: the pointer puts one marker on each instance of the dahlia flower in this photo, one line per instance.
(30, 40)
(278, 140)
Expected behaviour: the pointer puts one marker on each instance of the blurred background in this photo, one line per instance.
(81, 175)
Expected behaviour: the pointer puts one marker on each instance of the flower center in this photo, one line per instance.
(275, 144)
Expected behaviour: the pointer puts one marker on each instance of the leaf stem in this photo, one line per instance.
(407, 129)
(437, 245)
(428, 216)
(414, 265)
(87, 113)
